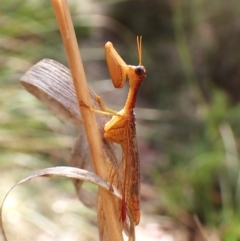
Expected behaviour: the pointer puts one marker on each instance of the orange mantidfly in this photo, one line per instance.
(121, 128)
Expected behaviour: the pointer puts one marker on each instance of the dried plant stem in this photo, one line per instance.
(75, 63)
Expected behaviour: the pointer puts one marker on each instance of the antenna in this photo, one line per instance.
(139, 46)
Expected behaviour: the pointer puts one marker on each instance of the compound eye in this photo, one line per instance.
(140, 70)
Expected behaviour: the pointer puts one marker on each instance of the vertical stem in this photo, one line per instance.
(90, 126)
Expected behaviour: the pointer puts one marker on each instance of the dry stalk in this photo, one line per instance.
(90, 126)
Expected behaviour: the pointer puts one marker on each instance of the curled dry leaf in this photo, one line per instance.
(70, 172)
(51, 83)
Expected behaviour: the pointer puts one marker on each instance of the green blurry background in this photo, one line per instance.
(187, 112)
